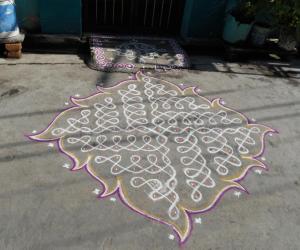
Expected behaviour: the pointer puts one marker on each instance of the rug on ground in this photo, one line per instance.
(165, 151)
(129, 54)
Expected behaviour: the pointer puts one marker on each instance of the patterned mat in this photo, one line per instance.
(131, 54)
(165, 151)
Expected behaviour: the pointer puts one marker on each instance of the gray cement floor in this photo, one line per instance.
(44, 206)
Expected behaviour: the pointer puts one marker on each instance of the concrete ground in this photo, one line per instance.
(44, 206)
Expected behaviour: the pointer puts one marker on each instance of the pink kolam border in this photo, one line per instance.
(118, 192)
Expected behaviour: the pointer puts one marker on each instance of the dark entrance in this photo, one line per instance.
(161, 17)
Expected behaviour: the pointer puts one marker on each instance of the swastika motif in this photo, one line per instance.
(166, 151)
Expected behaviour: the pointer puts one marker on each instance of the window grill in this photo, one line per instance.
(133, 16)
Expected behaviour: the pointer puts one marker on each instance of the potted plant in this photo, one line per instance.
(239, 21)
(287, 19)
(260, 33)
(263, 22)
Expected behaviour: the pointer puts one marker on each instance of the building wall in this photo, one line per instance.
(50, 16)
(28, 14)
(203, 19)
(61, 16)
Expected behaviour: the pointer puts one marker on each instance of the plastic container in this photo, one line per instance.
(8, 20)
(259, 35)
(234, 31)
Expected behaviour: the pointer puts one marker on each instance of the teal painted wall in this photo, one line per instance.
(61, 16)
(203, 19)
(28, 14)
(50, 16)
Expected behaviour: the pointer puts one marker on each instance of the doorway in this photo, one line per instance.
(142, 17)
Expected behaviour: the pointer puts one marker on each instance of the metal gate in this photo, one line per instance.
(133, 16)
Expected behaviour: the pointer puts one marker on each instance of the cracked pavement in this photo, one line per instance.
(44, 206)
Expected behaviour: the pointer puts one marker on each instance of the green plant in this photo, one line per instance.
(286, 13)
(244, 11)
